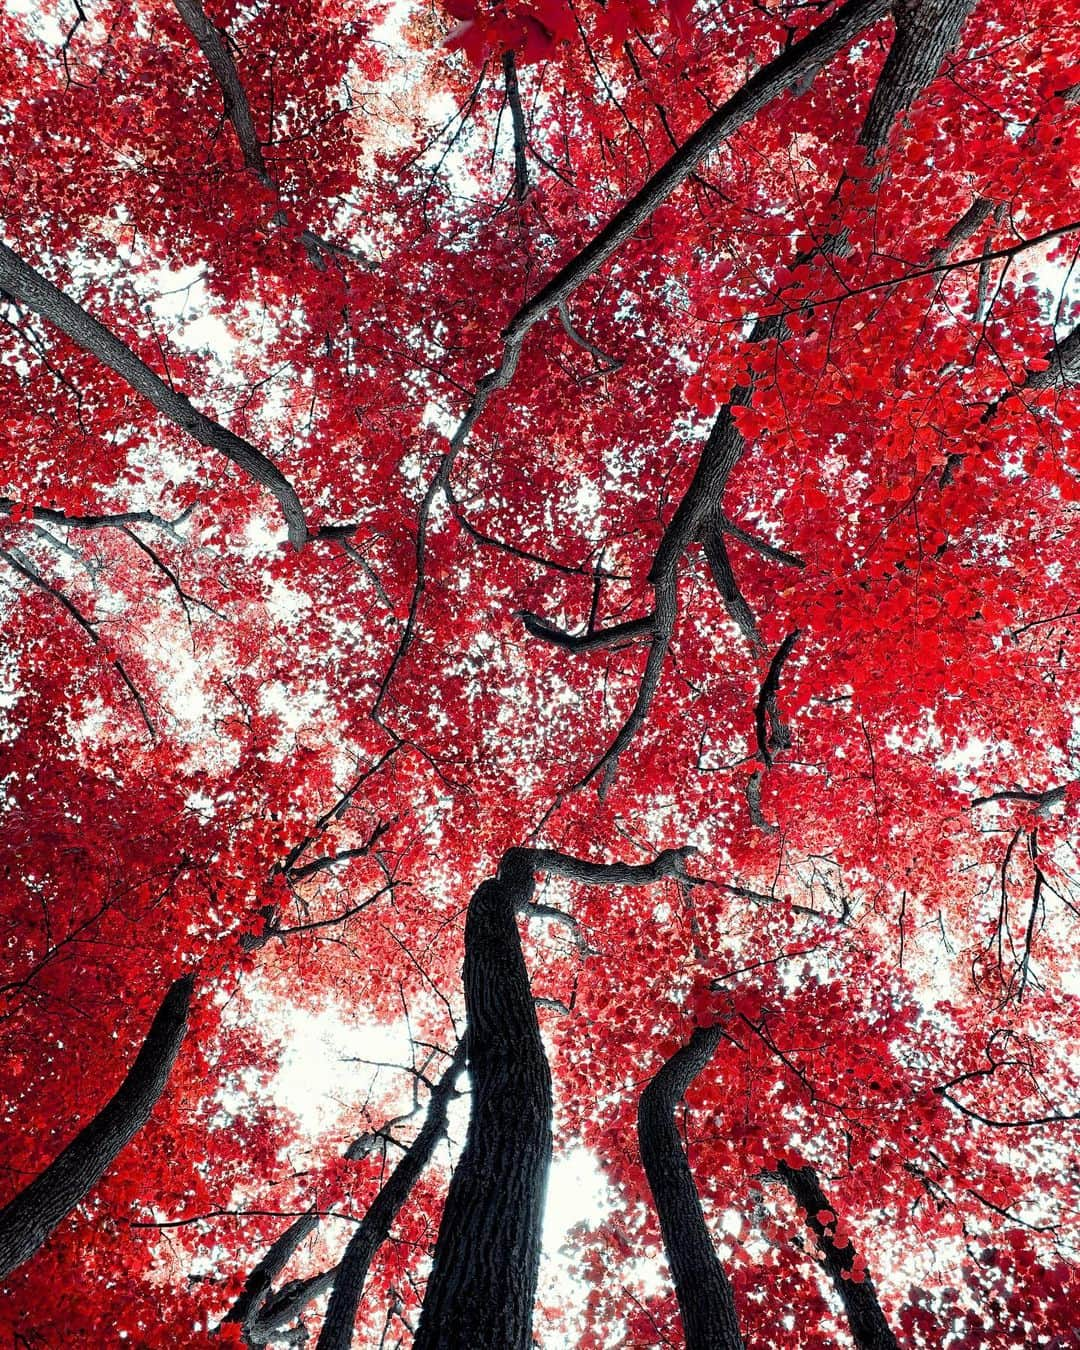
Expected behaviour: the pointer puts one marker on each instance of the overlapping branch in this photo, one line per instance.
(925, 33)
(795, 66)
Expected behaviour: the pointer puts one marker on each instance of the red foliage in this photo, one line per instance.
(287, 770)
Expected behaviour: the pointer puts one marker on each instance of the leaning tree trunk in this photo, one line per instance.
(337, 1329)
(487, 1256)
(28, 1219)
(706, 1300)
(869, 1329)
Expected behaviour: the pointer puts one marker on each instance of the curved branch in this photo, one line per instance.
(772, 734)
(590, 640)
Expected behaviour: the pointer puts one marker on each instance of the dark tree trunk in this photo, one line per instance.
(28, 1219)
(705, 1296)
(869, 1329)
(487, 1257)
(337, 1330)
(260, 1281)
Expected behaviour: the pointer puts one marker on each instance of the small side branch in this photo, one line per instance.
(772, 734)
(734, 601)
(1042, 801)
(609, 363)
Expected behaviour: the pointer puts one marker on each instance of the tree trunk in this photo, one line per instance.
(337, 1330)
(705, 1296)
(28, 1219)
(869, 1329)
(487, 1257)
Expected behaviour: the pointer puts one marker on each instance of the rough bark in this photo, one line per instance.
(337, 1329)
(487, 1256)
(483, 1281)
(28, 1219)
(20, 280)
(869, 1329)
(706, 1299)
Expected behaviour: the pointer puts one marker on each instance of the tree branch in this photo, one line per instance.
(19, 279)
(337, 1329)
(772, 734)
(796, 65)
(591, 640)
(869, 1329)
(28, 1219)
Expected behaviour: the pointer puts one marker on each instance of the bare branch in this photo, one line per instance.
(589, 640)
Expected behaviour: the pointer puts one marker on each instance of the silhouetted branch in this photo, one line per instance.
(28, 1219)
(19, 279)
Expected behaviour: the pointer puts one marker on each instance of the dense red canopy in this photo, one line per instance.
(333, 569)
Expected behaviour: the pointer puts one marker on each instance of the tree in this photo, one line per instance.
(616, 449)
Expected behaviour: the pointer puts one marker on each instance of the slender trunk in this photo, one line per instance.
(337, 1329)
(260, 1281)
(487, 1257)
(705, 1296)
(869, 1329)
(28, 1219)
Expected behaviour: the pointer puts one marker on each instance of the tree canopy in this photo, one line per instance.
(542, 532)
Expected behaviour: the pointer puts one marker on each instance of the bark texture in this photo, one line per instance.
(483, 1282)
(487, 1257)
(869, 1329)
(706, 1299)
(28, 1219)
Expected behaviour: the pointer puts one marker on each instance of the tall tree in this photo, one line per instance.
(445, 448)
